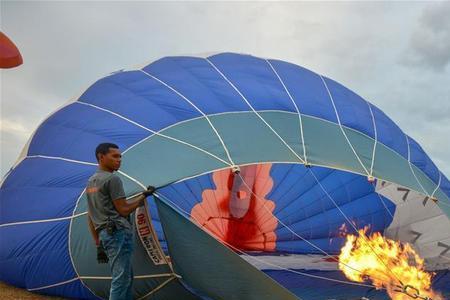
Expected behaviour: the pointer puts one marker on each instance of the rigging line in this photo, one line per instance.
(244, 253)
(296, 108)
(155, 132)
(375, 136)
(340, 126)
(157, 288)
(52, 285)
(384, 204)
(198, 109)
(42, 220)
(438, 185)
(253, 109)
(135, 277)
(62, 158)
(411, 168)
(354, 227)
(382, 201)
(301, 237)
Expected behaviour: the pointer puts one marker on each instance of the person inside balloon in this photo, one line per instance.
(109, 219)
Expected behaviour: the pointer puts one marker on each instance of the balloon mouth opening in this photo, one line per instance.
(248, 209)
(284, 208)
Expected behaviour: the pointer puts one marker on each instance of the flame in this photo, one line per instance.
(387, 264)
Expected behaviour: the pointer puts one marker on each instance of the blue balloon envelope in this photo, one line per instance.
(277, 162)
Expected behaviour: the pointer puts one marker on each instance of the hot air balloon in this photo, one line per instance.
(262, 167)
(9, 54)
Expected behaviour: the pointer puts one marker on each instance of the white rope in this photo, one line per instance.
(68, 217)
(438, 185)
(135, 277)
(342, 129)
(384, 204)
(132, 179)
(198, 109)
(69, 243)
(62, 158)
(296, 108)
(164, 283)
(155, 132)
(417, 179)
(102, 278)
(53, 285)
(42, 221)
(253, 109)
(411, 168)
(376, 139)
(244, 253)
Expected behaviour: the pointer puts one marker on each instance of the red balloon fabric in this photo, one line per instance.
(9, 54)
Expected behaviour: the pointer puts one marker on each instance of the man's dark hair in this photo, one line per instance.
(103, 148)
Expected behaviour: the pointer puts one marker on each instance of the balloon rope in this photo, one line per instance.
(342, 129)
(375, 131)
(296, 108)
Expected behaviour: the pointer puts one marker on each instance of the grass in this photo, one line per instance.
(8, 292)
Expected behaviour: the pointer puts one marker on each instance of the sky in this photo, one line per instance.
(394, 54)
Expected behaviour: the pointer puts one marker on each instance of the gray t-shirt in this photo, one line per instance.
(102, 189)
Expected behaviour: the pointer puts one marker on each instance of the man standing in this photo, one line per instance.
(109, 219)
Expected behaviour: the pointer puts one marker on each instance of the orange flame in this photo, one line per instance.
(387, 264)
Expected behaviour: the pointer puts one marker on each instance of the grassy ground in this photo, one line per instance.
(8, 292)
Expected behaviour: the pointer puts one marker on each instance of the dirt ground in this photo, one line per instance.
(8, 292)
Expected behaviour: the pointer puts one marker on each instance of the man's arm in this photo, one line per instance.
(118, 198)
(92, 230)
(124, 208)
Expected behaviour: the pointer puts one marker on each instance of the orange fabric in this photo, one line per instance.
(256, 229)
(9, 54)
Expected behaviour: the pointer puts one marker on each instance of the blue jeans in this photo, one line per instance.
(119, 247)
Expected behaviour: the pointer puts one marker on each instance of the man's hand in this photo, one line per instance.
(102, 258)
(150, 190)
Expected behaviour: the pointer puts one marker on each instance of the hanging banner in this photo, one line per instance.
(147, 235)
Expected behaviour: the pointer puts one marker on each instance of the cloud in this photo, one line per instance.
(429, 46)
(67, 46)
